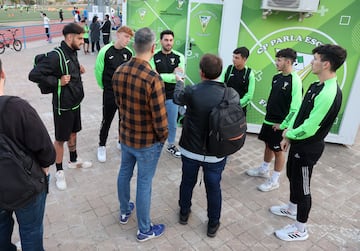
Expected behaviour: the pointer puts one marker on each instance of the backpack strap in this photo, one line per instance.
(3, 101)
(228, 72)
(247, 73)
(64, 70)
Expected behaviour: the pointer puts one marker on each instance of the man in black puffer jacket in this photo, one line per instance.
(68, 93)
(199, 100)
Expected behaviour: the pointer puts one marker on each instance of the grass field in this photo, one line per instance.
(19, 15)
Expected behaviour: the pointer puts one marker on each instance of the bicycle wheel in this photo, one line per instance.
(2, 47)
(17, 45)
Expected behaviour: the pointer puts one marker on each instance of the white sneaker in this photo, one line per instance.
(258, 172)
(268, 186)
(118, 145)
(60, 180)
(291, 233)
(79, 164)
(101, 154)
(283, 210)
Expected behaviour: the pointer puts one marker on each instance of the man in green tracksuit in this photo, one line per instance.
(240, 77)
(318, 111)
(167, 62)
(110, 57)
(283, 103)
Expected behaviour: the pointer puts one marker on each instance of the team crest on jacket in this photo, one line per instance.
(172, 61)
(125, 57)
(284, 86)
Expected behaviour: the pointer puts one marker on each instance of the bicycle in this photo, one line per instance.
(16, 43)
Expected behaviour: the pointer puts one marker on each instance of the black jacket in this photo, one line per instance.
(48, 71)
(199, 100)
(22, 124)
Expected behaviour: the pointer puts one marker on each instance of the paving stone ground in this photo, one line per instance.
(85, 216)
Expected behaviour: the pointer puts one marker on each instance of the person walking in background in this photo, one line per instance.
(282, 105)
(66, 107)
(109, 58)
(106, 29)
(95, 34)
(200, 99)
(46, 26)
(24, 127)
(86, 44)
(61, 15)
(140, 96)
(166, 62)
(240, 77)
(318, 111)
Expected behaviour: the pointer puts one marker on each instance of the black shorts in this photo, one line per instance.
(86, 40)
(270, 137)
(66, 123)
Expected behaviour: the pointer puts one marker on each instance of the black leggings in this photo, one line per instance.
(97, 46)
(109, 110)
(299, 167)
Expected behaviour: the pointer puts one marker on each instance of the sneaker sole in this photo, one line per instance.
(283, 214)
(302, 238)
(261, 176)
(268, 190)
(150, 237)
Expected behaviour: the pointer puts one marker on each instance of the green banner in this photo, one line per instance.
(159, 16)
(204, 33)
(334, 22)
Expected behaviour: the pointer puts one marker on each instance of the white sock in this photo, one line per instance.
(292, 208)
(275, 176)
(300, 226)
(265, 166)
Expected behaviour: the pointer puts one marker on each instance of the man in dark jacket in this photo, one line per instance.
(193, 138)
(105, 29)
(24, 127)
(68, 93)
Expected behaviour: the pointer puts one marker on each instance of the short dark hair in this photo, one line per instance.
(166, 32)
(335, 54)
(211, 66)
(243, 51)
(287, 53)
(144, 38)
(72, 28)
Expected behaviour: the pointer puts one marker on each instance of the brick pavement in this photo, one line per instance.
(85, 216)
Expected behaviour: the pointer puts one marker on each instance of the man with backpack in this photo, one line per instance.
(195, 135)
(240, 77)
(21, 125)
(68, 92)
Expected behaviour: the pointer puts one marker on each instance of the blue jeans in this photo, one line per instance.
(172, 114)
(212, 178)
(146, 159)
(30, 219)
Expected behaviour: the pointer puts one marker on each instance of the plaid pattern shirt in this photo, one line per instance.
(140, 96)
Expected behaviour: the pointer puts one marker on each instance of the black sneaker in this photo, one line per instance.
(212, 229)
(174, 151)
(183, 218)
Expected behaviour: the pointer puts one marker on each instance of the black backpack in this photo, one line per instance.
(21, 177)
(227, 126)
(45, 89)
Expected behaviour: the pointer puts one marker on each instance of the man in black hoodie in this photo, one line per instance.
(68, 93)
